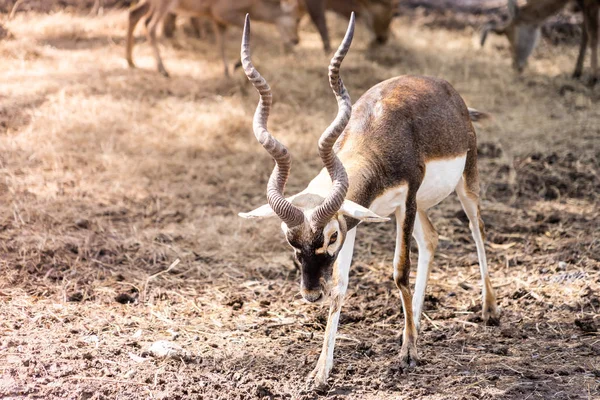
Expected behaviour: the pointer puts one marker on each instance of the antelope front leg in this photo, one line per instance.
(405, 220)
(582, 49)
(158, 15)
(592, 22)
(427, 240)
(318, 377)
(220, 29)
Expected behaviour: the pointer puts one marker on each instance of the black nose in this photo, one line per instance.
(381, 39)
(295, 41)
(312, 296)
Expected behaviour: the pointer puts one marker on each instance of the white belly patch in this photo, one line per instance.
(441, 177)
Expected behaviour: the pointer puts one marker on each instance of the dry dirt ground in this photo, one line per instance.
(109, 175)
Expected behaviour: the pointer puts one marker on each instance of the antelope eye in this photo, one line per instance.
(333, 238)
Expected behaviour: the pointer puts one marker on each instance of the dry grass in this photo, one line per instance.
(108, 175)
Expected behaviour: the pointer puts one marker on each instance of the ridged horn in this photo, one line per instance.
(288, 213)
(334, 166)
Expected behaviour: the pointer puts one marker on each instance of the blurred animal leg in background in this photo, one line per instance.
(135, 14)
(169, 25)
(98, 8)
(157, 15)
(198, 27)
(582, 50)
(591, 13)
(220, 30)
(316, 11)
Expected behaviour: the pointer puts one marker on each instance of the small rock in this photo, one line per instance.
(126, 298)
(235, 303)
(508, 332)
(500, 350)
(137, 358)
(82, 223)
(562, 266)
(438, 337)
(92, 339)
(174, 333)
(587, 325)
(167, 349)
(263, 391)
(75, 297)
(129, 374)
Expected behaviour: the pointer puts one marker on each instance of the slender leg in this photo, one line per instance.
(470, 203)
(169, 25)
(427, 240)
(316, 10)
(341, 271)
(135, 15)
(582, 49)
(160, 12)
(220, 35)
(198, 27)
(405, 221)
(591, 17)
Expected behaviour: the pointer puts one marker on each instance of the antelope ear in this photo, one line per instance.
(361, 213)
(261, 212)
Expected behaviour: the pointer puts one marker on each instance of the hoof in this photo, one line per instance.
(409, 358)
(491, 316)
(316, 381)
(164, 72)
(130, 64)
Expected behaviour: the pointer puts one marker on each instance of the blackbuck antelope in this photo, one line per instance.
(285, 14)
(523, 30)
(405, 145)
(376, 14)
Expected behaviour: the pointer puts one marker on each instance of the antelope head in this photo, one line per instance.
(522, 32)
(379, 18)
(287, 22)
(313, 225)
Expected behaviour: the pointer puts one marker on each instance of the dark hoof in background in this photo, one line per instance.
(492, 321)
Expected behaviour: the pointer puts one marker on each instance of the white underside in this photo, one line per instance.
(441, 178)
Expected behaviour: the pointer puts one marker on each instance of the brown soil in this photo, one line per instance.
(110, 175)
